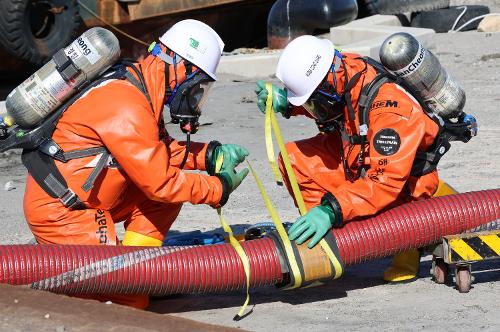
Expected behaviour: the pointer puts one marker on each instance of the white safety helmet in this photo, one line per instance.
(196, 42)
(302, 66)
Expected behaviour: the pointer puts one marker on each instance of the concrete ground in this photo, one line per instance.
(360, 300)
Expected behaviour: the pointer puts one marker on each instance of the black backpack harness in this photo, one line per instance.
(40, 151)
(425, 162)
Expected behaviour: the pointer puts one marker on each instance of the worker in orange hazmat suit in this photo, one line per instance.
(141, 178)
(365, 158)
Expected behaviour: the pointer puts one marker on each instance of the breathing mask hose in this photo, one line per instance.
(186, 154)
(75, 269)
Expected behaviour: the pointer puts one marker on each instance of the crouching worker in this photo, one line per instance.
(362, 161)
(138, 175)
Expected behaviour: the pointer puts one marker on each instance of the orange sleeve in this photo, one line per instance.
(196, 155)
(131, 135)
(394, 135)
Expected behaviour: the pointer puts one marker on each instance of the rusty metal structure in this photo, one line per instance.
(32, 30)
(127, 11)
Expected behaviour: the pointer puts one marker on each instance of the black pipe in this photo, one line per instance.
(289, 19)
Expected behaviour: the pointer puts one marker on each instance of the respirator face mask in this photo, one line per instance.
(189, 97)
(186, 99)
(323, 106)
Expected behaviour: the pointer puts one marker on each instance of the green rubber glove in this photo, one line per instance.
(280, 103)
(233, 156)
(316, 223)
(233, 178)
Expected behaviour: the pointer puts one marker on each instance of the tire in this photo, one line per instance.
(442, 20)
(34, 30)
(400, 6)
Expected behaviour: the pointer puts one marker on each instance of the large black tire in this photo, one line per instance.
(35, 30)
(372, 7)
(441, 20)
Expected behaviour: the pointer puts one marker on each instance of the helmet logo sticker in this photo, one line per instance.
(386, 142)
(197, 45)
(313, 65)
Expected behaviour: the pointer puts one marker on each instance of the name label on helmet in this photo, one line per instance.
(313, 65)
(413, 65)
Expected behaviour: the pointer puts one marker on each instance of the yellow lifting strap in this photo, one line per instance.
(293, 181)
(269, 142)
(238, 248)
(295, 271)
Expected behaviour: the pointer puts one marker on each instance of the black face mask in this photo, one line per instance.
(185, 107)
(325, 110)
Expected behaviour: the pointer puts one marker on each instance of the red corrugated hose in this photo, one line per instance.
(81, 269)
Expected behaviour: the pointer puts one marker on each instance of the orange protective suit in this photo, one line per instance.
(317, 161)
(145, 189)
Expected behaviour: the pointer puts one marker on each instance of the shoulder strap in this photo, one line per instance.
(348, 85)
(139, 84)
(41, 167)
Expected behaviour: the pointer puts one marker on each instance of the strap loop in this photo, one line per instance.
(269, 139)
(297, 195)
(237, 247)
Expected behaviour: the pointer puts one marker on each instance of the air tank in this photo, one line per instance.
(43, 92)
(405, 57)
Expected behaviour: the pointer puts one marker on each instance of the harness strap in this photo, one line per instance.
(89, 183)
(139, 85)
(366, 98)
(52, 149)
(44, 171)
(65, 66)
(66, 196)
(168, 90)
(76, 154)
(426, 162)
(348, 86)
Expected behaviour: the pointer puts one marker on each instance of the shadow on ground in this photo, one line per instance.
(355, 277)
(359, 276)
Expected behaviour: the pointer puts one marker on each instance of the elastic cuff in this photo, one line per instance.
(330, 200)
(209, 156)
(226, 190)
